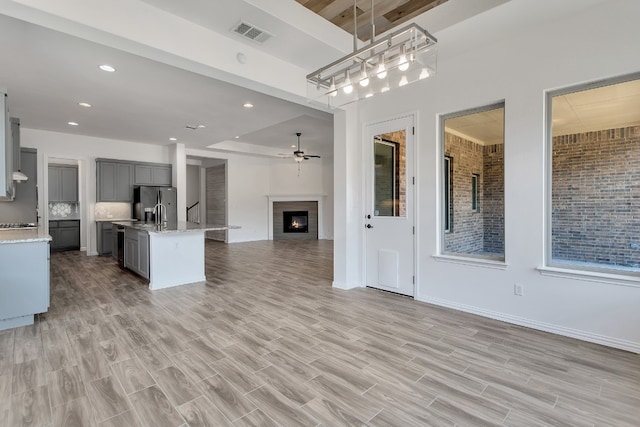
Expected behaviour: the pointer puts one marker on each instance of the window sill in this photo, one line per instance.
(475, 262)
(591, 276)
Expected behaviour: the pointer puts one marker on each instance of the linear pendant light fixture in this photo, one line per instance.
(395, 60)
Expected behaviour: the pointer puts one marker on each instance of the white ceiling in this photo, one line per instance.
(47, 72)
(143, 101)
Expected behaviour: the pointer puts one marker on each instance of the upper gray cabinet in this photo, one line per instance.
(116, 178)
(152, 174)
(63, 183)
(114, 181)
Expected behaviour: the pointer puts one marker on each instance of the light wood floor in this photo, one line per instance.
(267, 341)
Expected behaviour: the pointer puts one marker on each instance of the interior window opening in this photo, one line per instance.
(594, 165)
(473, 185)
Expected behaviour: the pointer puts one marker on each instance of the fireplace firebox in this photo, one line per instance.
(295, 221)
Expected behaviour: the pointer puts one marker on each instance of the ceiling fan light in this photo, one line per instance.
(299, 159)
(348, 87)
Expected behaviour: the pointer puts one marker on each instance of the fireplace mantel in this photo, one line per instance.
(298, 198)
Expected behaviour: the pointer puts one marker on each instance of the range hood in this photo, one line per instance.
(15, 140)
(9, 151)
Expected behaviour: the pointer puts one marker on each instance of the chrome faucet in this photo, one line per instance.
(160, 214)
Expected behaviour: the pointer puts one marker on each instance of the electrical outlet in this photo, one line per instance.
(518, 289)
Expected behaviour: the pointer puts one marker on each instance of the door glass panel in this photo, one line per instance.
(390, 174)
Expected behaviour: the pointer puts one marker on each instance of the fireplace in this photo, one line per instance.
(284, 224)
(295, 221)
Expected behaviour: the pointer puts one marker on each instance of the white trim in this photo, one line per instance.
(298, 198)
(591, 276)
(540, 326)
(475, 262)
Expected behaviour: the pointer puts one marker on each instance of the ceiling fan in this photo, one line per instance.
(299, 155)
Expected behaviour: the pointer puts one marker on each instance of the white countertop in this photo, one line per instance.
(115, 219)
(24, 236)
(179, 227)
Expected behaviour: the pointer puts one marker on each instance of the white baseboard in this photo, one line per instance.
(344, 286)
(541, 326)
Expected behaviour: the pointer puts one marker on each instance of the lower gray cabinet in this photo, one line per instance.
(105, 239)
(136, 251)
(65, 235)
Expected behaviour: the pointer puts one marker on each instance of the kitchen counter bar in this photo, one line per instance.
(24, 235)
(179, 227)
(175, 251)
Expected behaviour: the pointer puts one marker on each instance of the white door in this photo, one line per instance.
(389, 205)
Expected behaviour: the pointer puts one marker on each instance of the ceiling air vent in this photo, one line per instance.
(251, 32)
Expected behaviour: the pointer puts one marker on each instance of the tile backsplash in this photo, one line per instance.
(59, 210)
(112, 210)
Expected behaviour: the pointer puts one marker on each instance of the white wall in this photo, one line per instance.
(251, 179)
(85, 150)
(193, 184)
(532, 48)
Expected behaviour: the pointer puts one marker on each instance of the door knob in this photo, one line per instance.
(369, 226)
(368, 216)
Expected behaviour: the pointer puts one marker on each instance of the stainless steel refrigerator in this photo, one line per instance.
(145, 198)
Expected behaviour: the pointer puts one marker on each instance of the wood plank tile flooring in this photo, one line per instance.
(268, 342)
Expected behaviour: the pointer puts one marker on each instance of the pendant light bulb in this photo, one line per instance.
(332, 87)
(403, 81)
(403, 64)
(348, 87)
(364, 77)
(424, 74)
(381, 71)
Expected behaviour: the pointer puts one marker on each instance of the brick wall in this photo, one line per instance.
(312, 220)
(480, 231)
(466, 235)
(399, 137)
(596, 197)
(493, 195)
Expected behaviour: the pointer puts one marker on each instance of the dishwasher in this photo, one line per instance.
(118, 244)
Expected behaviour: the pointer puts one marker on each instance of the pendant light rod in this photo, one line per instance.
(373, 25)
(355, 26)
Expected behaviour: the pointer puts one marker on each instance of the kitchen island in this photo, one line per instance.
(24, 276)
(167, 255)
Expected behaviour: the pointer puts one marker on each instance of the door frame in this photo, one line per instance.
(413, 115)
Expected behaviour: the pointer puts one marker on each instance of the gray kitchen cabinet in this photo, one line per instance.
(63, 183)
(136, 251)
(105, 238)
(152, 174)
(114, 181)
(65, 234)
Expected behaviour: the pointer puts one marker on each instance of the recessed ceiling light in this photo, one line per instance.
(84, 104)
(237, 136)
(72, 123)
(293, 146)
(107, 68)
(173, 139)
(247, 105)
(201, 126)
